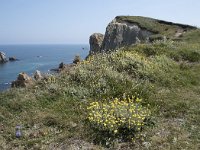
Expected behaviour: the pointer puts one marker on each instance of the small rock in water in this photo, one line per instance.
(12, 59)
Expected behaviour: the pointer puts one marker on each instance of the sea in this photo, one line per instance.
(36, 57)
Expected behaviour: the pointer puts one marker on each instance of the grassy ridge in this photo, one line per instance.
(159, 27)
(164, 74)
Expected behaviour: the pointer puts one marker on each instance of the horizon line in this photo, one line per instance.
(44, 43)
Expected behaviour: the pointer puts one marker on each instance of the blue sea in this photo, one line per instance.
(36, 57)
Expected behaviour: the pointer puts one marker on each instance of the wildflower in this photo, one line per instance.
(115, 131)
(18, 131)
(114, 114)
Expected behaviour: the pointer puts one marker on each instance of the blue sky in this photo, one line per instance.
(73, 21)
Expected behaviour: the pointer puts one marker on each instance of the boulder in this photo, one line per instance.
(77, 59)
(96, 40)
(65, 67)
(23, 80)
(3, 57)
(12, 59)
(61, 66)
(37, 75)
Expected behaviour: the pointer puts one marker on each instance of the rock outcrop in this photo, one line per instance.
(77, 59)
(13, 59)
(118, 34)
(3, 57)
(96, 40)
(61, 66)
(23, 80)
(37, 75)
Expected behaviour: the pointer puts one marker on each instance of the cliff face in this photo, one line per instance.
(96, 40)
(120, 34)
(128, 30)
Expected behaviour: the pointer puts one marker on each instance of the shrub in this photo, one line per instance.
(186, 55)
(118, 118)
(192, 56)
(156, 37)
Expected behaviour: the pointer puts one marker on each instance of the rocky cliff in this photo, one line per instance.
(3, 57)
(128, 30)
(96, 40)
(120, 34)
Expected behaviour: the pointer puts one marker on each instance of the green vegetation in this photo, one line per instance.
(159, 27)
(165, 75)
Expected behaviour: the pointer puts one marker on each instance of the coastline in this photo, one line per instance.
(50, 58)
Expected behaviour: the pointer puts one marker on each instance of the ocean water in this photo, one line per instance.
(36, 57)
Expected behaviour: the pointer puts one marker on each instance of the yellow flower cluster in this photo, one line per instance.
(87, 61)
(113, 115)
(50, 79)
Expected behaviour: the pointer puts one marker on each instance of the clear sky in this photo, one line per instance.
(73, 21)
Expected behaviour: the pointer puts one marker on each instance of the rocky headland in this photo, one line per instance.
(127, 30)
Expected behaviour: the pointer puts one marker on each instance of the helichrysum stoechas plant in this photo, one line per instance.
(117, 115)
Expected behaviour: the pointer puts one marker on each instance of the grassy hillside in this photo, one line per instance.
(171, 30)
(163, 75)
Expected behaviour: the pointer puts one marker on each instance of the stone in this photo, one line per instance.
(77, 59)
(96, 40)
(23, 80)
(37, 75)
(3, 57)
(12, 59)
(61, 66)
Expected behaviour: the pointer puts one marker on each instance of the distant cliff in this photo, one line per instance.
(128, 30)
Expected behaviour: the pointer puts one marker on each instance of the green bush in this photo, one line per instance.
(192, 56)
(156, 37)
(187, 55)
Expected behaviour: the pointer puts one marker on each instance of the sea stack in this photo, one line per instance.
(3, 57)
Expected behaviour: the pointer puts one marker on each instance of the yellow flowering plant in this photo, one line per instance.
(118, 117)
